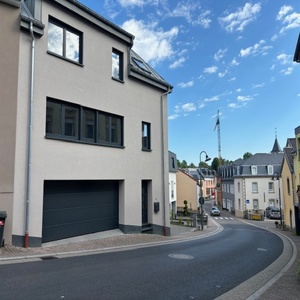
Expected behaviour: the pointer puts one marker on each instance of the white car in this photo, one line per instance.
(215, 211)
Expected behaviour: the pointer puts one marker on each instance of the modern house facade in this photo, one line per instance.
(252, 184)
(84, 145)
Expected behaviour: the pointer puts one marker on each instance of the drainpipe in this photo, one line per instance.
(162, 156)
(26, 242)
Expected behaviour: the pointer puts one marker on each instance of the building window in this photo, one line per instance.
(254, 170)
(73, 122)
(270, 170)
(288, 186)
(146, 141)
(255, 204)
(239, 187)
(172, 189)
(64, 41)
(254, 187)
(271, 187)
(117, 65)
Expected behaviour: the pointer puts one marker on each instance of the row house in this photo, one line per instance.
(84, 143)
(251, 184)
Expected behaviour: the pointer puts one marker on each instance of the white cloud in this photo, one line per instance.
(256, 49)
(212, 99)
(287, 71)
(173, 117)
(186, 84)
(188, 107)
(211, 70)
(151, 43)
(283, 11)
(222, 74)
(284, 58)
(238, 20)
(244, 98)
(220, 54)
(191, 11)
(234, 62)
(289, 18)
(178, 63)
(260, 85)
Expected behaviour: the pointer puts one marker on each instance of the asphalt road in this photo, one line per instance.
(198, 269)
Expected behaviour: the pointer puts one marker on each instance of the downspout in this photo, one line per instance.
(162, 156)
(26, 238)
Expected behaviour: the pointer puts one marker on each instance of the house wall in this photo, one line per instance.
(287, 195)
(9, 60)
(186, 190)
(173, 192)
(89, 85)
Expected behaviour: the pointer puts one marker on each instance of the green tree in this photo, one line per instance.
(247, 155)
(203, 164)
(215, 164)
(192, 165)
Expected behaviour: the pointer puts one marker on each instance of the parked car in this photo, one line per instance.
(215, 211)
(273, 212)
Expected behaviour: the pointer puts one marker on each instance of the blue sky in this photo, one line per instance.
(235, 57)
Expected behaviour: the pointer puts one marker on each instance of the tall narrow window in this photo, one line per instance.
(146, 141)
(254, 187)
(71, 121)
(271, 187)
(117, 65)
(64, 41)
(288, 186)
(88, 124)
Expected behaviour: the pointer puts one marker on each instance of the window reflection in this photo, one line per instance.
(55, 39)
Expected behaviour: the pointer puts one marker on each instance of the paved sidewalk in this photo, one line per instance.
(278, 281)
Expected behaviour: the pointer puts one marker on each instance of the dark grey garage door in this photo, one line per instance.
(73, 208)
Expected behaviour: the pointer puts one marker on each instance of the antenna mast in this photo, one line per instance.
(219, 138)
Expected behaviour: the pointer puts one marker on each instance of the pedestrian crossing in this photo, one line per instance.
(223, 218)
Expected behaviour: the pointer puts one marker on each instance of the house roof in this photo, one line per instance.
(289, 150)
(139, 68)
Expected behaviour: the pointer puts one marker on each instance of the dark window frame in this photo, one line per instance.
(80, 137)
(146, 136)
(67, 28)
(120, 76)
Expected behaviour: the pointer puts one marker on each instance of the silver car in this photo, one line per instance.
(215, 211)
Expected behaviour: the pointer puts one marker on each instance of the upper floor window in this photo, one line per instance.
(73, 122)
(288, 186)
(271, 187)
(64, 41)
(239, 187)
(254, 187)
(146, 140)
(254, 170)
(270, 170)
(117, 65)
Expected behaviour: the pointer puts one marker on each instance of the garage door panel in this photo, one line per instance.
(76, 214)
(64, 231)
(73, 208)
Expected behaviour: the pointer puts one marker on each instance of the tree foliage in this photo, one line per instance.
(247, 155)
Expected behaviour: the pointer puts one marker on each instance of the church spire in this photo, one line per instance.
(276, 147)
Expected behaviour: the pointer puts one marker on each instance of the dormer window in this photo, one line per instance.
(254, 170)
(270, 170)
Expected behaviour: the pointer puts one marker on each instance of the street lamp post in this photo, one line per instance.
(276, 177)
(201, 199)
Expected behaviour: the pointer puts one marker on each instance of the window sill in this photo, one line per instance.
(146, 150)
(118, 80)
(84, 142)
(66, 59)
